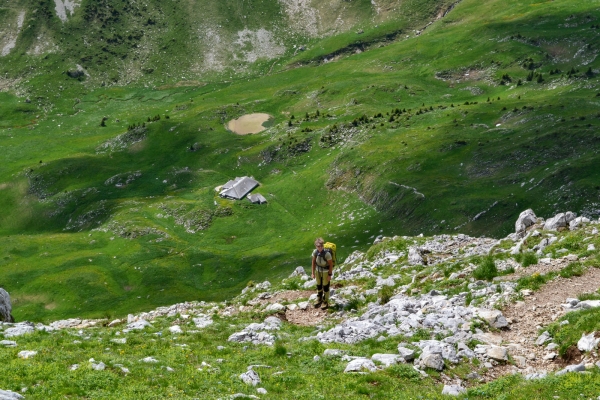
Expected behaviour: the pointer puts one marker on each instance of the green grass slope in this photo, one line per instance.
(107, 192)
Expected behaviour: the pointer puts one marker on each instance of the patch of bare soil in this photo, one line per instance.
(535, 312)
(250, 123)
(289, 295)
(309, 317)
(540, 268)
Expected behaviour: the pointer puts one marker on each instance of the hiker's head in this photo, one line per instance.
(319, 243)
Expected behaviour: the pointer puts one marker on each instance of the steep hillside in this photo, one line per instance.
(448, 316)
(155, 43)
(422, 117)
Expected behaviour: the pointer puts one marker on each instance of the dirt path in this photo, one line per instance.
(536, 311)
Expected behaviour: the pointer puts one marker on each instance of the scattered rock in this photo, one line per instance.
(560, 220)
(8, 395)
(22, 328)
(454, 390)
(360, 364)
(25, 354)
(387, 359)
(588, 342)
(8, 343)
(250, 377)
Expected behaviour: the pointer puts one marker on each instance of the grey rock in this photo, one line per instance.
(8, 343)
(572, 368)
(591, 247)
(578, 222)
(19, 329)
(316, 358)
(543, 338)
(334, 352)
(8, 395)
(266, 285)
(520, 361)
(406, 354)
(5, 307)
(587, 304)
(250, 377)
(525, 220)
(536, 375)
(493, 318)
(149, 360)
(414, 256)
(387, 359)
(432, 360)
(497, 353)
(551, 346)
(99, 366)
(275, 307)
(454, 390)
(243, 396)
(310, 284)
(202, 321)
(560, 220)
(137, 325)
(261, 391)
(588, 342)
(360, 364)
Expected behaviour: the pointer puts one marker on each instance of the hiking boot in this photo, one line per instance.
(325, 306)
(318, 303)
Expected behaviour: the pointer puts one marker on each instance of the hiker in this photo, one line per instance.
(322, 269)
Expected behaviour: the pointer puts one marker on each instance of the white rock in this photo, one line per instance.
(387, 359)
(8, 343)
(8, 395)
(497, 353)
(99, 366)
(19, 329)
(149, 360)
(299, 271)
(360, 364)
(525, 220)
(138, 325)
(560, 220)
(202, 321)
(310, 284)
(115, 322)
(119, 341)
(432, 360)
(175, 329)
(25, 354)
(492, 317)
(406, 354)
(414, 256)
(334, 352)
(275, 307)
(588, 342)
(250, 377)
(261, 391)
(454, 390)
(591, 247)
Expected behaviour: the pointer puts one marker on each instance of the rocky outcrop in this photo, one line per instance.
(526, 219)
(560, 220)
(5, 307)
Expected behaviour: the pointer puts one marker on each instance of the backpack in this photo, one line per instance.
(331, 248)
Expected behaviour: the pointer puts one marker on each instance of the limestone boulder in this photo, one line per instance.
(5, 307)
(525, 220)
(560, 220)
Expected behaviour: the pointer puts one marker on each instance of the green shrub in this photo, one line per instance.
(280, 350)
(573, 269)
(486, 270)
(528, 259)
(385, 293)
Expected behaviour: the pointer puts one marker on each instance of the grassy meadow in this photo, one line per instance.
(107, 182)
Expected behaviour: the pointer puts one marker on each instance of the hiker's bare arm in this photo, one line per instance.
(330, 262)
(313, 268)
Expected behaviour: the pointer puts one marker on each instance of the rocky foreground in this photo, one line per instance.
(424, 291)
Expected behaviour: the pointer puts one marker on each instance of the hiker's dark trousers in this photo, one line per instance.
(323, 278)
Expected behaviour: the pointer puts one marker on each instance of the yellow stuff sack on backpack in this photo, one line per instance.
(331, 247)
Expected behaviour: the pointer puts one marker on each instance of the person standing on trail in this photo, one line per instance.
(322, 270)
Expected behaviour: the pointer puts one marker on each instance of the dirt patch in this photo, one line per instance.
(539, 268)
(309, 317)
(537, 311)
(183, 84)
(290, 295)
(50, 306)
(249, 123)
